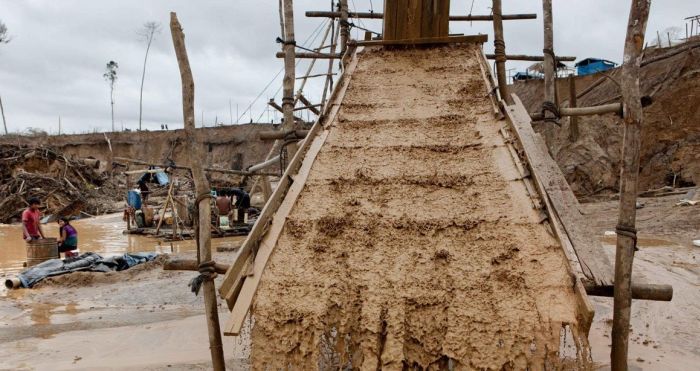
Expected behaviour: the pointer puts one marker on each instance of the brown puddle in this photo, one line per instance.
(102, 234)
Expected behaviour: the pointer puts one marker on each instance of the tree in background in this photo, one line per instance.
(111, 77)
(4, 39)
(147, 33)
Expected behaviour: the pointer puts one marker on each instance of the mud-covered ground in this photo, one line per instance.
(140, 319)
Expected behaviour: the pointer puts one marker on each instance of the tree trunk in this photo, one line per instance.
(626, 233)
(143, 77)
(111, 101)
(2, 110)
(201, 189)
(500, 51)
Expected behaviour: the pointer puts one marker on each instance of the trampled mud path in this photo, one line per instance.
(414, 243)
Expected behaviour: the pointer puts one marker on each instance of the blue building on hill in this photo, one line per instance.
(592, 65)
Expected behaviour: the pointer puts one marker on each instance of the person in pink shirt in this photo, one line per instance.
(30, 221)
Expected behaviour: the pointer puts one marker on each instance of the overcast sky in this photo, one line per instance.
(54, 64)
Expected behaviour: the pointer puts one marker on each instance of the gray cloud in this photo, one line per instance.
(55, 62)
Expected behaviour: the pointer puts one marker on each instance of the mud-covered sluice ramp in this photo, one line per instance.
(408, 237)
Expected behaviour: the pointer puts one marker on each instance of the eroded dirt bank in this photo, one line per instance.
(229, 147)
(414, 243)
(670, 151)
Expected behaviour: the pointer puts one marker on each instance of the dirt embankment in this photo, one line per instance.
(413, 243)
(229, 147)
(670, 135)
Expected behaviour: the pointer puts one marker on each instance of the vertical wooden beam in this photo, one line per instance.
(401, 18)
(500, 51)
(289, 66)
(344, 27)
(441, 20)
(201, 185)
(413, 19)
(631, 142)
(549, 63)
(573, 120)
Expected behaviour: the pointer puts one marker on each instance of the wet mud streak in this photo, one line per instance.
(414, 243)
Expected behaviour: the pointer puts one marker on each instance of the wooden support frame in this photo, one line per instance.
(533, 58)
(240, 282)
(584, 111)
(432, 40)
(380, 15)
(309, 55)
(500, 52)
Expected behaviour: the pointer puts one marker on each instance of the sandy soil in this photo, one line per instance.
(414, 243)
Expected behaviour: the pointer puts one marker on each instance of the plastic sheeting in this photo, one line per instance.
(89, 261)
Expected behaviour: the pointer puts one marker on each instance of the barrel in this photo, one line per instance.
(134, 199)
(41, 250)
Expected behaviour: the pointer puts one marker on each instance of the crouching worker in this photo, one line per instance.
(68, 238)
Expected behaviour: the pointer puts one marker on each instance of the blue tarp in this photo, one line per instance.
(160, 178)
(88, 261)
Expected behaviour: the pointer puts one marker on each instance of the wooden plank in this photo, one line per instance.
(594, 263)
(273, 203)
(250, 284)
(489, 82)
(401, 20)
(390, 8)
(441, 18)
(414, 10)
(434, 40)
(427, 15)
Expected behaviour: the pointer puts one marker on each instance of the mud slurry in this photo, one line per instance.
(414, 243)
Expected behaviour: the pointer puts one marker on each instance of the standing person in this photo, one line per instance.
(223, 203)
(31, 228)
(144, 191)
(67, 237)
(242, 198)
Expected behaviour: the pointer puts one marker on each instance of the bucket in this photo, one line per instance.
(41, 250)
(134, 199)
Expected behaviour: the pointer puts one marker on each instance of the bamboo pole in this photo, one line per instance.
(532, 58)
(309, 55)
(549, 64)
(631, 142)
(500, 51)
(344, 26)
(329, 78)
(289, 60)
(573, 120)
(380, 15)
(2, 109)
(202, 190)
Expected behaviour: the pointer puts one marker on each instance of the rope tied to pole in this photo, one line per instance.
(631, 232)
(548, 106)
(500, 50)
(207, 272)
(282, 41)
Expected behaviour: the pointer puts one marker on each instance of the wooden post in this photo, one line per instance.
(3, 116)
(573, 120)
(500, 51)
(344, 27)
(201, 185)
(289, 65)
(626, 232)
(549, 63)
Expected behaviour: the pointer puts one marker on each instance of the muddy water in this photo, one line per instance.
(102, 234)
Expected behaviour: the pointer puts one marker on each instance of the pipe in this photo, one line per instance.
(278, 134)
(584, 111)
(640, 291)
(272, 161)
(13, 283)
